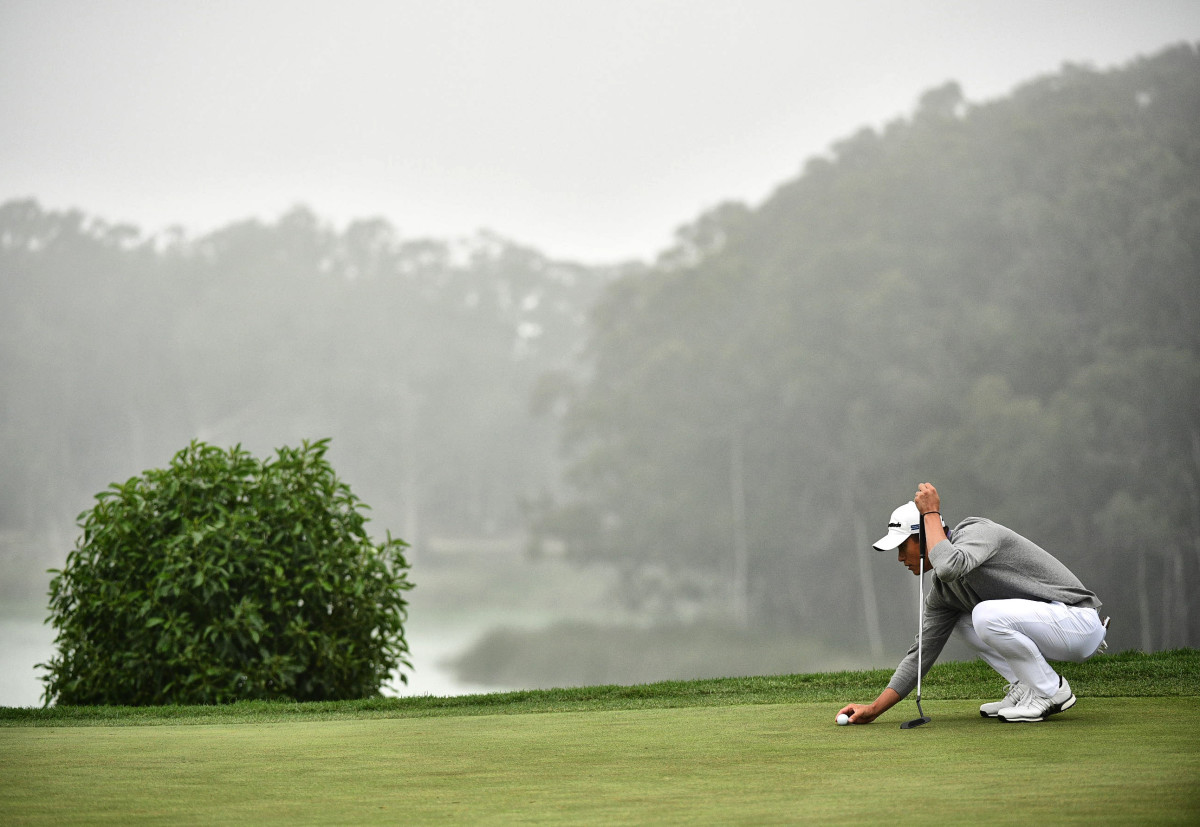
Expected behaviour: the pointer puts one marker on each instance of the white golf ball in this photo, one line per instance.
(843, 719)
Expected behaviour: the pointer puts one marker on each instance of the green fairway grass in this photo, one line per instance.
(1110, 760)
(1174, 673)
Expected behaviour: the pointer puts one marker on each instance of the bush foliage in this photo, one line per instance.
(226, 578)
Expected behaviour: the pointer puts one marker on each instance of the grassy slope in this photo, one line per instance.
(1110, 761)
(1127, 675)
(737, 751)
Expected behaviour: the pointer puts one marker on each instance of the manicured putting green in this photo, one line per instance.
(1109, 760)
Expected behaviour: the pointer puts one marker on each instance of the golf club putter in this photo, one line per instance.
(924, 719)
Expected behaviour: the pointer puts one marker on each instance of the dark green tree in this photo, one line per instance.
(226, 578)
(1001, 298)
(416, 356)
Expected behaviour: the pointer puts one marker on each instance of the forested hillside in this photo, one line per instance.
(999, 297)
(417, 357)
(1002, 298)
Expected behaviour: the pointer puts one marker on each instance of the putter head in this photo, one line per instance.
(916, 722)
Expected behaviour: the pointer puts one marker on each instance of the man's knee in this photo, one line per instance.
(981, 614)
(990, 618)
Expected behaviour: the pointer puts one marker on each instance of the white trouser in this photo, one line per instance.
(1015, 637)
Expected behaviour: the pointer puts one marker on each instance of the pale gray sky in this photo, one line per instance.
(589, 129)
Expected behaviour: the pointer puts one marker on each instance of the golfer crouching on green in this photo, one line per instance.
(1012, 601)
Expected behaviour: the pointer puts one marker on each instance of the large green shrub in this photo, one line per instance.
(225, 578)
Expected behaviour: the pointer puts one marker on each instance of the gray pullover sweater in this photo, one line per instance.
(985, 561)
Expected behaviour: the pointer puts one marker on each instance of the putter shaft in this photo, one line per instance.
(924, 719)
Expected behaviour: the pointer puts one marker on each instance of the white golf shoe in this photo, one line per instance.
(1035, 707)
(1011, 697)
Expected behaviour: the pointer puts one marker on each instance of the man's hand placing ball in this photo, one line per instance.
(857, 714)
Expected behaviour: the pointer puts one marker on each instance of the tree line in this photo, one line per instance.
(999, 297)
(417, 357)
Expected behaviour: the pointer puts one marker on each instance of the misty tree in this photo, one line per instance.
(1001, 298)
(418, 356)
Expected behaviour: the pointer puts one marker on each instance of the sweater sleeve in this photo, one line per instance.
(973, 544)
(940, 620)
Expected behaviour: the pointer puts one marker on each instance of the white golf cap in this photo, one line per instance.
(905, 522)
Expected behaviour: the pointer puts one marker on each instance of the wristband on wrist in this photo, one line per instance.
(927, 513)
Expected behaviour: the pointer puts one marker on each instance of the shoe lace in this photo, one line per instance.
(1025, 696)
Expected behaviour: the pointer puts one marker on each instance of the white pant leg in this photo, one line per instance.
(1025, 633)
(989, 655)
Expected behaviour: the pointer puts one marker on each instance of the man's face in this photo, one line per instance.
(909, 554)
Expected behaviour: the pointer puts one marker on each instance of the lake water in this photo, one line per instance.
(23, 644)
(27, 642)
